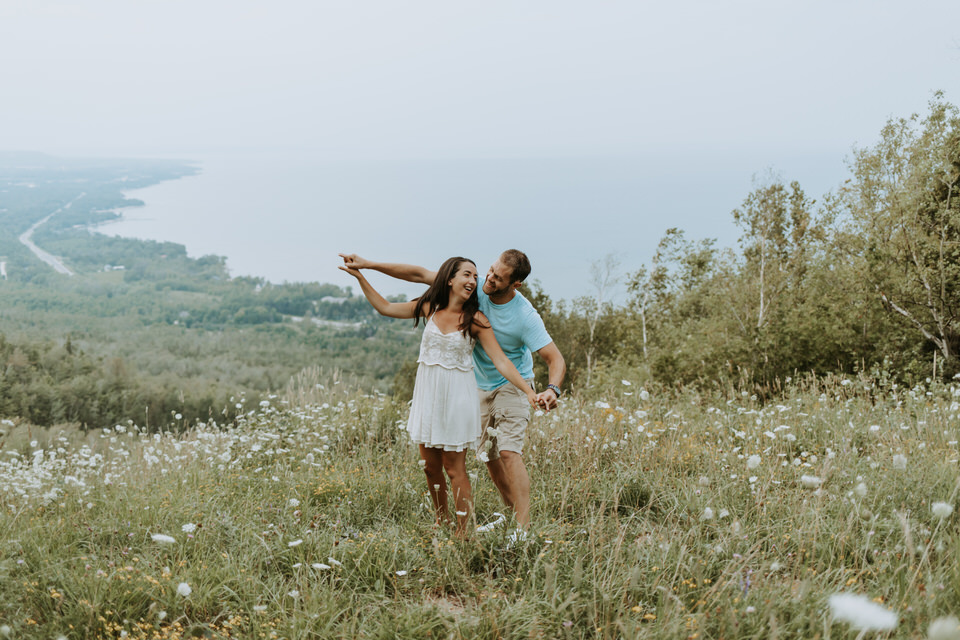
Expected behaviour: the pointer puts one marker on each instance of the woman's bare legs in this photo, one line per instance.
(436, 482)
(455, 464)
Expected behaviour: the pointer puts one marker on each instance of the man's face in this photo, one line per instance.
(498, 278)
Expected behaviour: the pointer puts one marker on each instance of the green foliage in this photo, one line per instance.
(651, 518)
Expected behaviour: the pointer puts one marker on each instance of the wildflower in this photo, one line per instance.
(319, 566)
(184, 589)
(162, 615)
(293, 502)
(159, 537)
(293, 593)
(860, 490)
(753, 461)
(493, 432)
(188, 528)
(751, 609)
(644, 395)
(861, 613)
(810, 482)
(461, 513)
(334, 562)
(401, 573)
(626, 383)
(5, 630)
(723, 514)
(899, 462)
(178, 416)
(259, 608)
(941, 509)
(295, 543)
(600, 404)
(422, 463)
(482, 456)
(707, 514)
(945, 628)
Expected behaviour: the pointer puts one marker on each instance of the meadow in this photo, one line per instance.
(660, 515)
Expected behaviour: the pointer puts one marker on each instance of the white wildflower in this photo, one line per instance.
(335, 563)
(899, 462)
(861, 613)
(159, 537)
(482, 456)
(293, 593)
(753, 461)
(945, 628)
(293, 502)
(295, 543)
(259, 608)
(626, 383)
(401, 573)
(941, 509)
(810, 482)
(184, 589)
(860, 490)
(319, 566)
(600, 404)
(422, 463)
(644, 395)
(707, 514)
(188, 528)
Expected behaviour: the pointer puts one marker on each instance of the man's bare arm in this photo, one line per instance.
(408, 272)
(556, 370)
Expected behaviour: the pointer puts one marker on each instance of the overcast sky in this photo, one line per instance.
(528, 78)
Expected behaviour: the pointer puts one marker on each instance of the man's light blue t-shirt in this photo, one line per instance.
(519, 330)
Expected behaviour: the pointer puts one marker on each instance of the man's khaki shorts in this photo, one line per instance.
(506, 409)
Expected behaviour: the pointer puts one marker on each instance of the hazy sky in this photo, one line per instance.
(483, 79)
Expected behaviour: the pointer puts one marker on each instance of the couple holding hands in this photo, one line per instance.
(477, 333)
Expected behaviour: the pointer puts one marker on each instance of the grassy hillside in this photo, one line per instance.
(691, 517)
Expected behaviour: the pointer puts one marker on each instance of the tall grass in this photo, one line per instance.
(308, 518)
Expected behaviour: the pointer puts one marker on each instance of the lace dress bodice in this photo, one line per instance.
(448, 350)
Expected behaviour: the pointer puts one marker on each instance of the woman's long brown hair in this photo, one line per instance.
(438, 296)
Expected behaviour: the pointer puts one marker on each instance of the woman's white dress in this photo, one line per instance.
(445, 412)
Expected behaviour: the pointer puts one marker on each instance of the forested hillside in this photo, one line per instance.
(865, 279)
(141, 331)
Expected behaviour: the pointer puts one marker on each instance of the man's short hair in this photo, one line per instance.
(518, 263)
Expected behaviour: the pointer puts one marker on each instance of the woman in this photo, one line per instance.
(445, 412)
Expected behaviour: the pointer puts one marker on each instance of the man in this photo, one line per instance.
(520, 331)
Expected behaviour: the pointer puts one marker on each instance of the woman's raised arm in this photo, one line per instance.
(383, 306)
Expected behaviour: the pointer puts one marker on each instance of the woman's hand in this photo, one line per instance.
(354, 272)
(532, 399)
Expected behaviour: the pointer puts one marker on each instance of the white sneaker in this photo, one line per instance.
(490, 526)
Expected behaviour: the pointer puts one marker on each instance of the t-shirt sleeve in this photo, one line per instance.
(535, 335)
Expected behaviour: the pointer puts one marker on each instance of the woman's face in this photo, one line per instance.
(464, 281)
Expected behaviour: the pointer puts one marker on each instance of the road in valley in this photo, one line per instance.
(49, 258)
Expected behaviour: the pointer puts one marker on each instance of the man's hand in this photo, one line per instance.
(547, 400)
(353, 261)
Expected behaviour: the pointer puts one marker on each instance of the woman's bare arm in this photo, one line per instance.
(500, 359)
(383, 306)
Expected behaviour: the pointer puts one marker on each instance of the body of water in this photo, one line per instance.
(285, 217)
